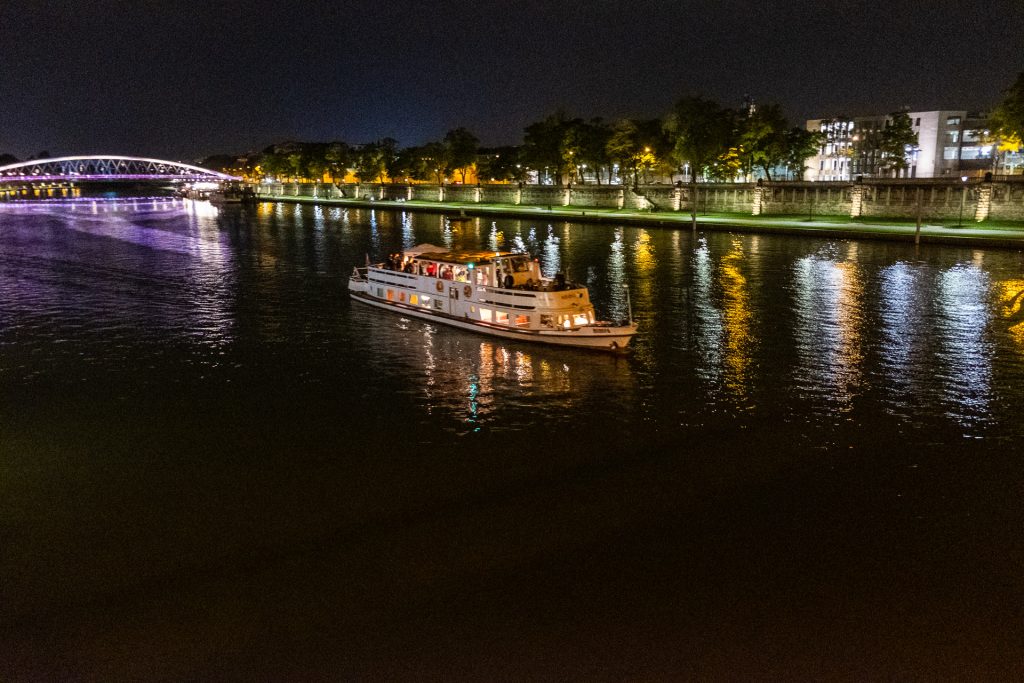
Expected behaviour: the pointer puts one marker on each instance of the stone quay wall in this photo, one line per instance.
(934, 199)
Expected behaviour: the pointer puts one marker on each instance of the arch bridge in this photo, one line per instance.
(107, 168)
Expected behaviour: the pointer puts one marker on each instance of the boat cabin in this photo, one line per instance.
(504, 270)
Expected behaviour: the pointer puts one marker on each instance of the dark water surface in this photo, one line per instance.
(214, 465)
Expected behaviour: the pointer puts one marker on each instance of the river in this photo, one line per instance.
(215, 465)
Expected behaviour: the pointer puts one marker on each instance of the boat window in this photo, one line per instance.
(522, 320)
(391, 295)
(425, 300)
(580, 319)
(413, 299)
(401, 296)
(501, 317)
(481, 277)
(486, 314)
(547, 320)
(438, 304)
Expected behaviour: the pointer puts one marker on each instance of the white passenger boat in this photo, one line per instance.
(502, 294)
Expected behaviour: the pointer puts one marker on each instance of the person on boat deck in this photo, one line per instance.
(431, 269)
(447, 273)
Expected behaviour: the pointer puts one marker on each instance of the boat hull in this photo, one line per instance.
(598, 338)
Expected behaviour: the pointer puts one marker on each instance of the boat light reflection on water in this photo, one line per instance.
(473, 380)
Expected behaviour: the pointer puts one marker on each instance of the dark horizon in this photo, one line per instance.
(189, 80)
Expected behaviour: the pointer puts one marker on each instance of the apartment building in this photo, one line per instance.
(949, 143)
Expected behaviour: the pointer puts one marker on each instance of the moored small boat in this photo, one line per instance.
(501, 294)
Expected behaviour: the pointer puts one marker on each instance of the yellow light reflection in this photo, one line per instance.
(737, 319)
(1010, 295)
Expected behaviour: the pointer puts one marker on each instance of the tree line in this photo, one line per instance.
(698, 139)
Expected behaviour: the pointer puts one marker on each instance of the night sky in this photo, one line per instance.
(181, 80)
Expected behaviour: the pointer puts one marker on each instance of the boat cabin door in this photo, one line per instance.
(453, 297)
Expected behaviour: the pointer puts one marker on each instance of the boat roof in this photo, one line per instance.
(461, 257)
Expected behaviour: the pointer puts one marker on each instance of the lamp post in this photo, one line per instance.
(963, 199)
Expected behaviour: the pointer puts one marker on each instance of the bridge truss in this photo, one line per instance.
(109, 168)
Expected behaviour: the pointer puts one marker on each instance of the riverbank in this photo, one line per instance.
(1004, 234)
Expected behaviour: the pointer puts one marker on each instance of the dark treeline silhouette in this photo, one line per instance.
(699, 139)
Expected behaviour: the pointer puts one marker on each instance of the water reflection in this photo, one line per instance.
(472, 383)
(829, 324)
(965, 353)
(104, 266)
(551, 255)
(1010, 297)
(615, 277)
(709, 329)
(903, 311)
(737, 322)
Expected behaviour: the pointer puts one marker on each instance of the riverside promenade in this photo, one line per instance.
(1005, 234)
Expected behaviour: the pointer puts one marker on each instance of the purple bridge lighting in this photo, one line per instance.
(106, 167)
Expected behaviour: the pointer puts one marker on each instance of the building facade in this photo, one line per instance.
(949, 143)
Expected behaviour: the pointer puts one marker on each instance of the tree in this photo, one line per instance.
(462, 146)
(437, 160)
(500, 163)
(763, 141)
(593, 145)
(337, 156)
(369, 163)
(388, 149)
(1008, 116)
(640, 147)
(702, 131)
(801, 144)
(544, 145)
(897, 140)
(7, 159)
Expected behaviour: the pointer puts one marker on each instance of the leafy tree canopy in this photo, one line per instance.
(1008, 116)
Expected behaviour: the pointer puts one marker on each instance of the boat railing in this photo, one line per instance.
(360, 273)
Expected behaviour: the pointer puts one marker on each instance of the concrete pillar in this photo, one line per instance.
(440, 193)
(408, 193)
(758, 205)
(984, 206)
(857, 201)
(567, 195)
(477, 193)
(620, 201)
(677, 199)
